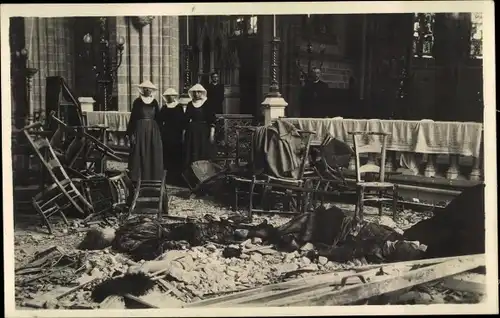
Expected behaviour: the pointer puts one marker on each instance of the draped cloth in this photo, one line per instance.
(278, 150)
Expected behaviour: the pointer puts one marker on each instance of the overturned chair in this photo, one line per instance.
(63, 192)
(80, 152)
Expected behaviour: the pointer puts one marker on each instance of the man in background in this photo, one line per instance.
(315, 95)
(215, 94)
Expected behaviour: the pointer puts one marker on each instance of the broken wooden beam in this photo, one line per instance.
(380, 285)
(466, 282)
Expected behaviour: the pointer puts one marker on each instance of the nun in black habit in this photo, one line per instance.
(173, 123)
(200, 132)
(146, 151)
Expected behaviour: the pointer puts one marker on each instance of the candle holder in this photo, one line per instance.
(184, 98)
(109, 63)
(305, 75)
(274, 104)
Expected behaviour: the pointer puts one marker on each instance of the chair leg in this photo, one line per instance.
(164, 197)
(136, 196)
(235, 204)
(395, 202)
(360, 205)
(44, 218)
(380, 207)
(250, 203)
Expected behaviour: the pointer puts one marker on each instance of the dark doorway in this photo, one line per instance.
(86, 56)
(249, 52)
(18, 71)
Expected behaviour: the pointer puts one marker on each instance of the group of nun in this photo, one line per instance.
(171, 137)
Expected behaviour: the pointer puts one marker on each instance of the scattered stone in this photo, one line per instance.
(290, 256)
(256, 240)
(310, 267)
(322, 260)
(256, 257)
(331, 265)
(305, 260)
(287, 267)
(268, 251)
(211, 247)
(187, 262)
(307, 247)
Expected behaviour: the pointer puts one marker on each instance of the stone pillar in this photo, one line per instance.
(159, 57)
(50, 45)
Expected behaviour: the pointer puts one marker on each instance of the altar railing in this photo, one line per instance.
(445, 152)
(450, 150)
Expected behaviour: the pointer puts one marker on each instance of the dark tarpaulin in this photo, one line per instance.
(278, 150)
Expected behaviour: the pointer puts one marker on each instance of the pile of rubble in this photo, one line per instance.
(191, 273)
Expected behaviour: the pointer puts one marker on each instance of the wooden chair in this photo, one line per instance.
(151, 186)
(380, 186)
(63, 192)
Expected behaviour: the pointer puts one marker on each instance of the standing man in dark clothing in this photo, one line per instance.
(315, 96)
(215, 94)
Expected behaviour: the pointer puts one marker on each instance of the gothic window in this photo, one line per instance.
(423, 34)
(253, 25)
(245, 25)
(476, 36)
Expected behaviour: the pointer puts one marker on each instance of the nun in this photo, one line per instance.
(173, 123)
(143, 130)
(200, 132)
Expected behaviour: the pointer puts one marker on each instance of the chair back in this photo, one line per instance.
(40, 144)
(369, 142)
(44, 151)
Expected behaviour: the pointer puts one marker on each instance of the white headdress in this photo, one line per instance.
(151, 86)
(198, 88)
(170, 92)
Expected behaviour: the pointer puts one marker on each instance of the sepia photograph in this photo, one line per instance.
(321, 156)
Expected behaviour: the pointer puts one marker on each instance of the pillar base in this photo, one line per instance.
(274, 108)
(87, 103)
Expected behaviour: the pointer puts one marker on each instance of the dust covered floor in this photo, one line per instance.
(202, 272)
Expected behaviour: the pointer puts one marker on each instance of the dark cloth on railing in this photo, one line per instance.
(146, 152)
(278, 150)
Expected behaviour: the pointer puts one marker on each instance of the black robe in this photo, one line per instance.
(215, 97)
(172, 124)
(146, 154)
(313, 99)
(197, 143)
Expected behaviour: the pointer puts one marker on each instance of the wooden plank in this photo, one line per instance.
(380, 285)
(289, 288)
(467, 282)
(427, 261)
(241, 296)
